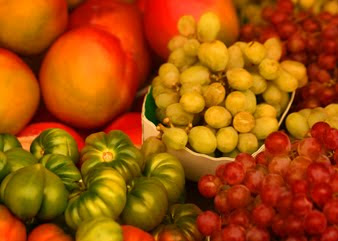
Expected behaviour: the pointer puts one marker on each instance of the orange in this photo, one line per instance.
(19, 93)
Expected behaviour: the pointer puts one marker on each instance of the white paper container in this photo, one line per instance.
(195, 164)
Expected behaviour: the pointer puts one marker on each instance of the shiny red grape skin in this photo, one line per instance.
(331, 211)
(234, 173)
(315, 223)
(209, 185)
(208, 222)
(278, 143)
(319, 129)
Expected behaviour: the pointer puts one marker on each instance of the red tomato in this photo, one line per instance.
(131, 233)
(48, 232)
(11, 228)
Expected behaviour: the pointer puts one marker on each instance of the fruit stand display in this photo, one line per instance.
(163, 120)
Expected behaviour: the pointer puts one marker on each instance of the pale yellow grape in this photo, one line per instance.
(160, 114)
(247, 143)
(286, 82)
(177, 115)
(212, 129)
(285, 100)
(231, 154)
(317, 114)
(169, 75)
(265, 126)
(297, 125)
(265, 110)
(177, 42)
(195, 74)
(190, 87)
(251, 101)
(227, 139)
(163, 100)
(236, 59)
(202, 140)
(175, 138)
(255, 52)
(156, 81)
(274, 48)
(306, 4)
(160, 89)
(208, 27)
(278, 109)
(235, 102)
(272, 95)
(191, 47)
(296, 69)
(331, 7)
(217, 117)
(269, 69)
(214, 55)
(213, 94)
(241, 45)
(332, 121)
(305, 112)
(259, 84)
(192, 102)
(187, 26)
(332, 109)
(243, 122)
(239, 79)
(180, 59)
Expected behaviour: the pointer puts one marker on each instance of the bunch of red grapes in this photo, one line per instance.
(307, 38)
(287, 192)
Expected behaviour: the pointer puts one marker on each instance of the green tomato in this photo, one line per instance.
(34, 191)
(147, 203)
(101, 228)
(55, 141)
(103, 194)
(115, 150)
(8, 141)
(64, 168)
(169, 171)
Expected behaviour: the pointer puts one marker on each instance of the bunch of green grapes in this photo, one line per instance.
(220, 100)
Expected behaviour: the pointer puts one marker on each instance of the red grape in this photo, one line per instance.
(294, 225)
(315, 222)
(319, 129)
(220, 171)
(208, 222)
(334, 182)
(310, 147)
(327, 61)
(286, 29)
(267, 13)
(330, 234)
(234, 173)
(238, 196)
(248, 32)
(278, 143)
(247, 160)
(283, 205)
(296, 43)
(278, 226)
(261, 158)
(298, 169)
(296, 238)
(257, 234)
(318, 173)
(278, 17)
(301, 205)
(216, 236)
(285, 6)
(209, 185)
(262, 215)
(331, 211)
(335, 156)
(240, 217)
(221, 202)
(279, 165)
(321, 193)
(328, 46)
(331, 139)
(323, 76)
(253, 180)
(310, 25)
(233, 233)
(299, 187)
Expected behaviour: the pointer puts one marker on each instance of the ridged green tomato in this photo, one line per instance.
(179, 224)
(115, 150)
(8, 141)
(103, 194)
(169, 171)
(99, 229)
(55, 141)
(64, 168)
(34, 191)
(147, 203)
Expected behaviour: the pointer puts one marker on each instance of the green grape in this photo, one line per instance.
(177, 42)
(239, 79)
(247, 143)
(191, 47)
(284, 102)
(297, 125)
(269, 69)
(192, 102)
(163, 100)
(264, 126)
(235, 102)
(236, 59)
(272, 95)
(177, 115)
(251, 101)
(187, 26)
(243, 122)
(332, 121)
(286, 82)
(278, 109)
(317, 114)
(213, 94)
(332, 109)
(195, 74)
(259, 84)
(296, 69)
(152, 145)
(202, 140)
(190, 87)
(217, 117)
(160, 89)
(175, 138)
(160, 114)
(255, 52)
(274, 48)
(156, 81)
(208, 27)
(169, 75)
(305, 112)
(265, 110)
(214, 55)
(180, 59)
(227, 139)
(212, 129)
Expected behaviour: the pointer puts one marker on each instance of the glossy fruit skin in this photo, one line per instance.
(122, 20)
(64, 168)
(11, 228)
(89, 66)
(55, 141)
(46, 200)
(30, 132)
(102, 185)
(48, 232)
(179, 224)
(8, 141)
(147, 203)
(169, 171)
(161, 16)
(100, 228)
(115, 150)
(74, 3)
(131, 233)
